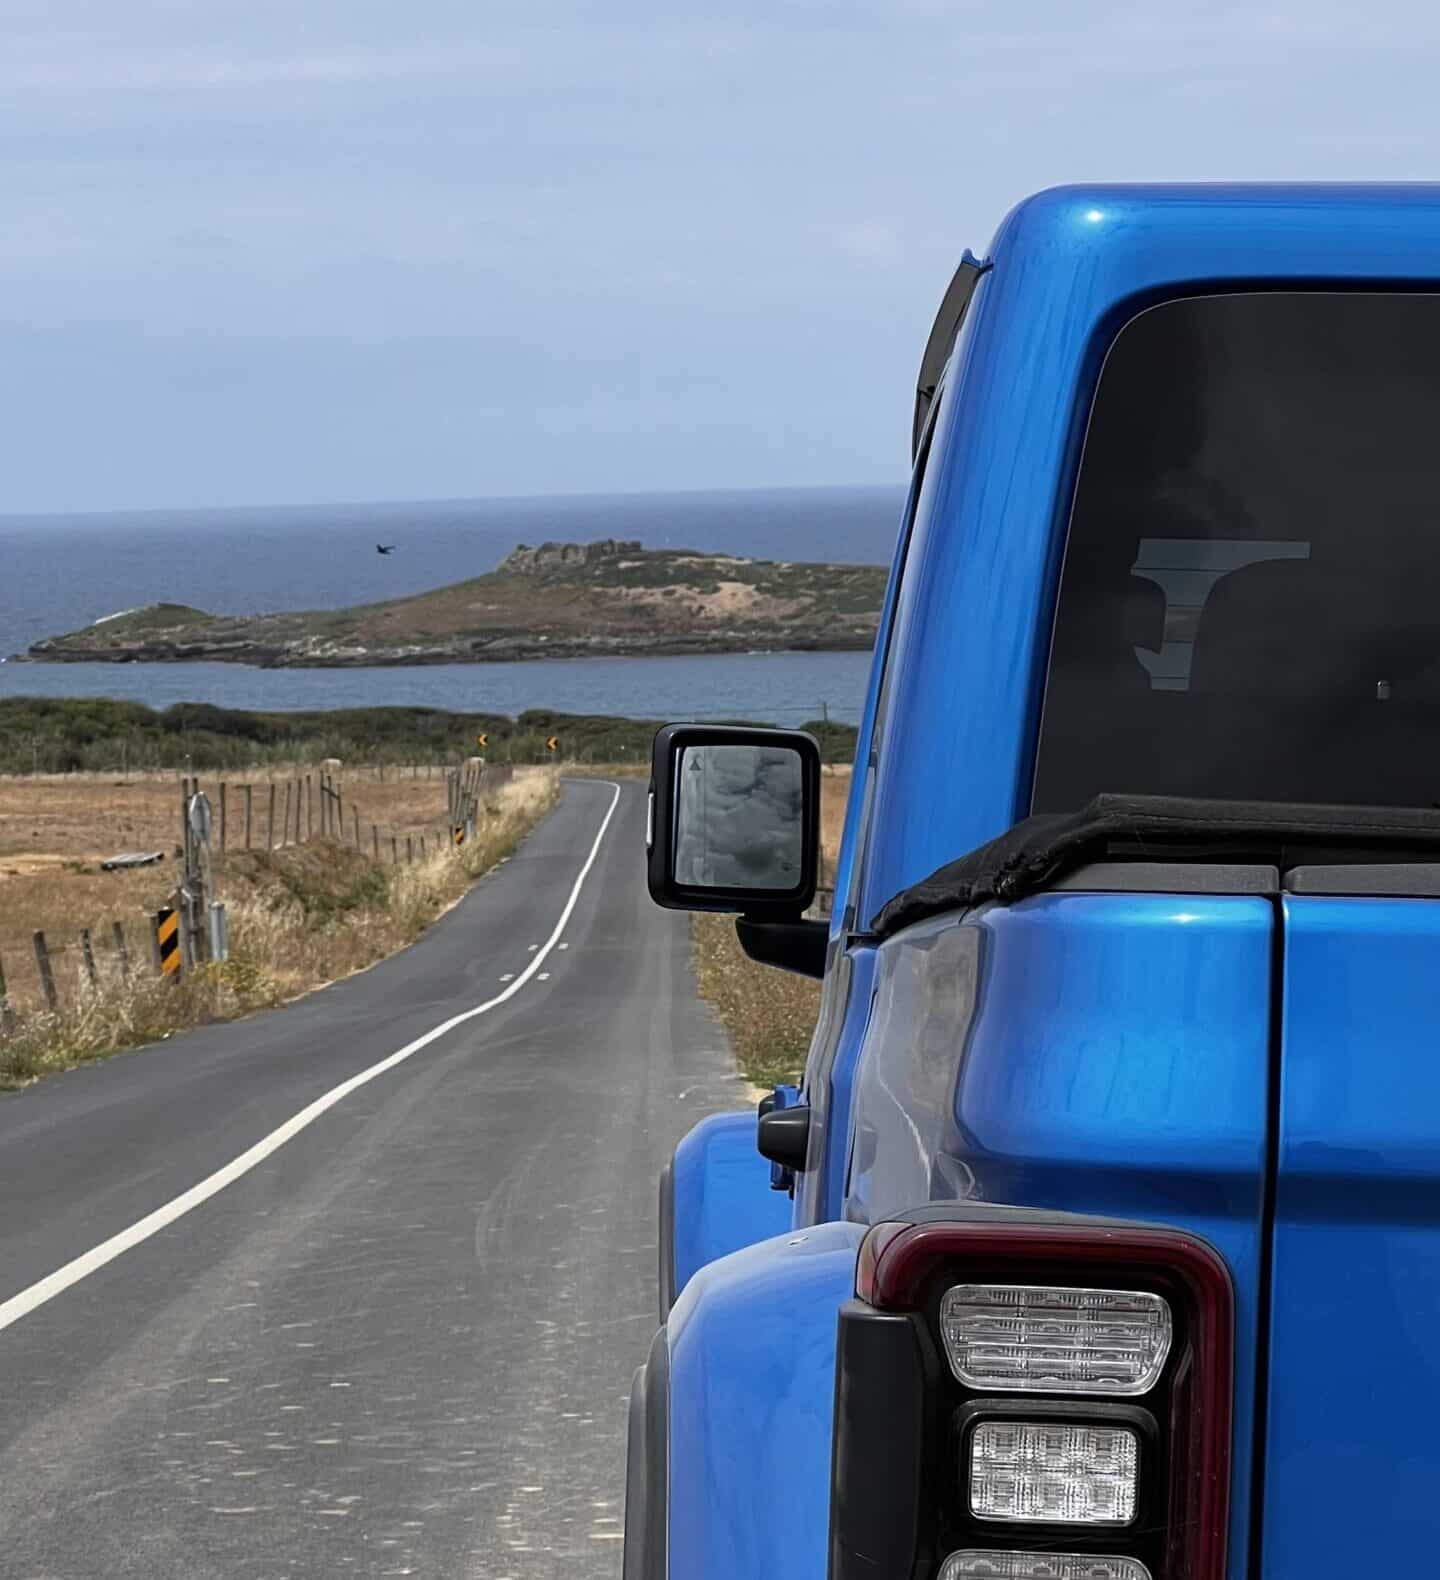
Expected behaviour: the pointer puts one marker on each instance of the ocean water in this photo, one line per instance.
(779, 688)
(58, 573)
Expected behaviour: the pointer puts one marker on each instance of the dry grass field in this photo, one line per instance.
(300, 914)
(769, 1014)
(56, 830)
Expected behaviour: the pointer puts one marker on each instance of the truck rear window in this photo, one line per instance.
(1250, 600)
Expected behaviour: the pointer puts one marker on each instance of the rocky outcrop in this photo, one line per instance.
(524, 560)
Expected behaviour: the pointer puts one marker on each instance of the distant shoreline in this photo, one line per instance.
(519, 654)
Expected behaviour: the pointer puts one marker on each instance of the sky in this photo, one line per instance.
(297, 251)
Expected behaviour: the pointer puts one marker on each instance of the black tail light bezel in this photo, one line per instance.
(900, 1414)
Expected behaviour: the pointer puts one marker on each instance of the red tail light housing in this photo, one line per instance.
(905, 1466)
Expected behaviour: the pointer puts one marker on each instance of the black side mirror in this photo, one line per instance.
(734, 820)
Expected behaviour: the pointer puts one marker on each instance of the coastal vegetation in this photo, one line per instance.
(100, 735)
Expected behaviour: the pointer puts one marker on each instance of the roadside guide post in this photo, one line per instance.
(198, 878)
(165, 940)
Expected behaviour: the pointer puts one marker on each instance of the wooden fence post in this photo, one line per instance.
(270, 820)
(355, 814)
(122, 950)
(285, 820)
(87, 957)
(7, 1016)
(224, 817)
(47, 976)
(375, 840)
(394, 851)
(409, 849)
(249, 813)
(337, 826)
(309, 810)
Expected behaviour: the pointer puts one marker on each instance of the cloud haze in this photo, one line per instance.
(300, 250)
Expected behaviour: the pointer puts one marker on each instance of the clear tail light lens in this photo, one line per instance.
(1029, 1338)
(1040, 1566)
(1053, 1471)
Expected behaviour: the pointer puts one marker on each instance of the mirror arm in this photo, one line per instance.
(797, 945)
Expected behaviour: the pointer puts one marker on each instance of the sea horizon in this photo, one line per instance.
(60, 572)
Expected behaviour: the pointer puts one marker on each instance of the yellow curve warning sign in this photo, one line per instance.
(553, 744)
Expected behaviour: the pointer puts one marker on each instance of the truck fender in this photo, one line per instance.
(715, 1197)
(732, 1416)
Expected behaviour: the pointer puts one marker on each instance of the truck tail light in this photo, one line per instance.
(1041, 1566)
(1032, 1396)
(1092, 1341)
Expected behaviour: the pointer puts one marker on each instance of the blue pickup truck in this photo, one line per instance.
(1102, 1239)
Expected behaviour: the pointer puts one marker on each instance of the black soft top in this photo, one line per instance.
(1040, 849)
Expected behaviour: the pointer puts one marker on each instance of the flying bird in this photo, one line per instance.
(385, 548)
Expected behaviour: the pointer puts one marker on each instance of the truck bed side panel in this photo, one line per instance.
(1352, 1454)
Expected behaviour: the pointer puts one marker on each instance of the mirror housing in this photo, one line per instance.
(734, 820)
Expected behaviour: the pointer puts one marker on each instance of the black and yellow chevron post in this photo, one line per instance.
(458, 834)
(553, 744)
(167, 935)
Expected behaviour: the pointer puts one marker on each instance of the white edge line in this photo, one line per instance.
(93, 1260)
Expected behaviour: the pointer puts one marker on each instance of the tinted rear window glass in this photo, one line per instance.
(1250, 602)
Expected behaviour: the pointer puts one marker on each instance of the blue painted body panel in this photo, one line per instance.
(1354, 1387)
(1091, 1053)
(752, 1364)
(975, 603)
(723, 1199)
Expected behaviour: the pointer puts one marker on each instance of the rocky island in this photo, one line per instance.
(557, 600)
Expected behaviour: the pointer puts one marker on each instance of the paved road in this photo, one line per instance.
(401, 1343)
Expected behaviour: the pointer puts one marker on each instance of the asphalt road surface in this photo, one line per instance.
(396, 1339)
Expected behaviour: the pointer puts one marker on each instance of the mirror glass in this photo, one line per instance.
(739, 817)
